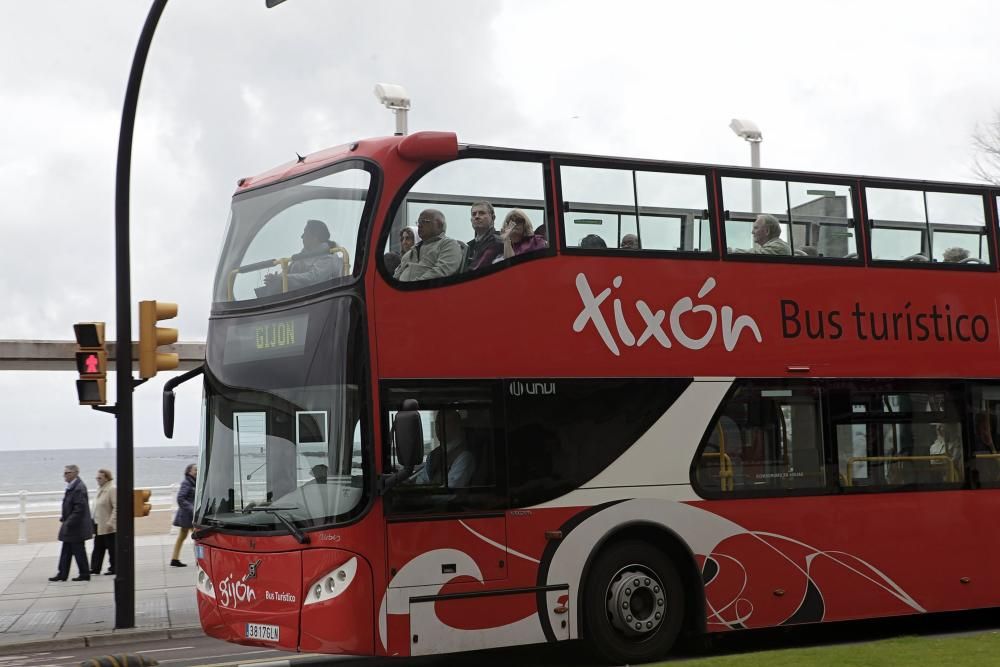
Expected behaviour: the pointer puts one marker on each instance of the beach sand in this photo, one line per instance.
(47, 529)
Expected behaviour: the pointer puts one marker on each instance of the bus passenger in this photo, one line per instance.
(630, 242)
(314, 264)
(766, 233)
(592, 241)
(406, 240)
(435, 255)
(518, 235)
(948, 442)
(486, 246)
(955, 255)
(450, 433)
(391, 260)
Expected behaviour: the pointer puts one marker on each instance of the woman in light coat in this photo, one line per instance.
(105, 522)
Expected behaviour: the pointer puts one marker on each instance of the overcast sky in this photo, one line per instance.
(232, 89)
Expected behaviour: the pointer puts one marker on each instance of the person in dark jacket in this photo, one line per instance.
(76, 527)
(184, 518)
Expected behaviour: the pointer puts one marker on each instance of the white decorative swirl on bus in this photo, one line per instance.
(721, 319)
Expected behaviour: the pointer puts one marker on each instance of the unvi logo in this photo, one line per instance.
(721, 320)
(518, 388)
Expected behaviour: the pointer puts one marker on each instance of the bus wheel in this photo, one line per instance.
(633, 603)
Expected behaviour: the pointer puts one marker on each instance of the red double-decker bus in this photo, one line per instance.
(460, 397)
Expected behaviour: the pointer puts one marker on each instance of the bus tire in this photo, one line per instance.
(629, 622)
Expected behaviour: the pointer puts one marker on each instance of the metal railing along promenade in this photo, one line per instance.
(24, 506)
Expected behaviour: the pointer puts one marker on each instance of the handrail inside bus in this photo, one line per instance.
(283, 262)
(726, 480)
(940, 458)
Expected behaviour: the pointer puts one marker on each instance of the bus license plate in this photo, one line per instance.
(267, 633)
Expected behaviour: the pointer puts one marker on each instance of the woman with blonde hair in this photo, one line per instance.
(518, 235)
(105, 523)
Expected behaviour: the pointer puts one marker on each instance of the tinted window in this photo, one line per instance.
(888, 436)
(924, 226)
(635, 210)
(460, 469)
(561, 433)
(813, 219)
(767, 439)
(508, 191)
(985, 414)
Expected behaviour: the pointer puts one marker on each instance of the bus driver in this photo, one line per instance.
(461, 461)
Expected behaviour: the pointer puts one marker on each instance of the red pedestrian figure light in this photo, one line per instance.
(91, 363)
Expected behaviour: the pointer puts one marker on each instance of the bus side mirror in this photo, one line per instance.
(168, 414)
(409, 432)
(168, 398)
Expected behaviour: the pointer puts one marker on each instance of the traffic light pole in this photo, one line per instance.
(125, 537)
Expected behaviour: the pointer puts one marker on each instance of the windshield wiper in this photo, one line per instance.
(207, 530)
(296, 532)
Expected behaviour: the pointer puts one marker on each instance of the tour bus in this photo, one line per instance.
(703, 399)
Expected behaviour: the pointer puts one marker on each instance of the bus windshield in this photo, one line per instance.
(283, 424)
(294, 237)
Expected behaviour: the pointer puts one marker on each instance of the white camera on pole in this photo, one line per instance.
(394, 97)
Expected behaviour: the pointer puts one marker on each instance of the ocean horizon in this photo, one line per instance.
(41, 469)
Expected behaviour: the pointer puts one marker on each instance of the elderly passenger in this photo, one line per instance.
(518, 235)
(435, 256)
(955, 255)
(766, 233)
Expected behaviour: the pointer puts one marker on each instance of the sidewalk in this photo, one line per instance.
(34, 609)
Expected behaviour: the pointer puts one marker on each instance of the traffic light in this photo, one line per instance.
(152, 337)
(91, 362)
(140, 502)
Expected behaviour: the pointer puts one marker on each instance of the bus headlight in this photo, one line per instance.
(332, 584)
(204, 582)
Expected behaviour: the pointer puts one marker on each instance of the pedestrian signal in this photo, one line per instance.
(152, 337)
(91, 363)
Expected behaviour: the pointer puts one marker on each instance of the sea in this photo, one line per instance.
(41, 469)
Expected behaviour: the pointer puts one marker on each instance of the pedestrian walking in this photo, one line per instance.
(76, 526)
(184, 518)
(105, 523)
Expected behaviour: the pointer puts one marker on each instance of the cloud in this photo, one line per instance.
(232, 89)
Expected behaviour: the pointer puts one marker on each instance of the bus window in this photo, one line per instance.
(562, 433)
(294, 239)
(812, 219)
(459, 467)
(888, 438)
(985, 414)
(925, 226)
(766, 440)
(464, 206)
(602, 207)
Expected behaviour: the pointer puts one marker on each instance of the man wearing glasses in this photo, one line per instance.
(77, 527)
(435, 256)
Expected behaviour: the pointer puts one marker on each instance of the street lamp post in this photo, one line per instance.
(748, 130)
(125, 542)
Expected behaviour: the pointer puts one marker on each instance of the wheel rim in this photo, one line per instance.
(636, 602)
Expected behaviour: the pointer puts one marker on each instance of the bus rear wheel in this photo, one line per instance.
(633, 603)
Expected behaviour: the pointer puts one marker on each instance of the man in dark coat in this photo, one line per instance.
(77, 527)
